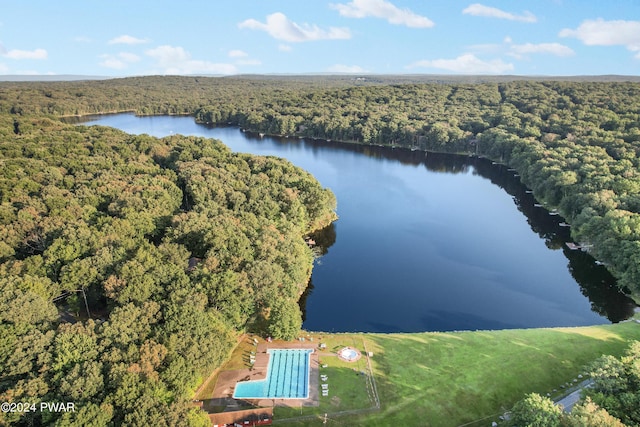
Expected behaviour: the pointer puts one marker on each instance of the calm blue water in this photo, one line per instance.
(427, 242)
(287, 377)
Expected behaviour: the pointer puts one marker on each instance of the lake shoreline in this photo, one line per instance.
(462, 167)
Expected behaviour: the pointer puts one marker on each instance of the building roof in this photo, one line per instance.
(239, 417)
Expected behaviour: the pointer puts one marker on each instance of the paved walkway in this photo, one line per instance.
(572, 398)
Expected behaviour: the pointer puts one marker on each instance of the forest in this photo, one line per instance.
(575, 144)
(180, 245)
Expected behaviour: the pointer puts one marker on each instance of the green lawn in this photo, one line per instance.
(450, 379)
(347, 384)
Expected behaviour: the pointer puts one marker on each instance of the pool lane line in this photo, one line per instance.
(293, 389)
(271, 373)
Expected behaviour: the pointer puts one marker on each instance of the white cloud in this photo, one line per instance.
(37, 73)
(3, 68)
(466, 64)
(519, 51)
(382, 9)
(82, 39)
(280, 27)
(607, 33)
(487, 49)
(129, 57)
(167, 55)
(176, 60)
(119, 61)
(237, 54)
(126, 39)
(556, 49)
(340, 68)
(478, 9)
(25, 54)
(114, 63)
(285, 48)
(249, 62)
(242, 58)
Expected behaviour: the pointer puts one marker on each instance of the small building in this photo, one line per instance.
(248, 417)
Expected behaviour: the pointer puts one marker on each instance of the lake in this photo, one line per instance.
(426, 241)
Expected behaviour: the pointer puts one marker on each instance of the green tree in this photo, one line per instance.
(588, 414)
(285, 320)
(616, 385)
(88, 414)
(536, 411)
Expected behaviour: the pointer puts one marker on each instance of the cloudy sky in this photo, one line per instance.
(123, 38)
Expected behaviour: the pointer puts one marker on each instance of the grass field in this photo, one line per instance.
(453, 379)
(347, 384)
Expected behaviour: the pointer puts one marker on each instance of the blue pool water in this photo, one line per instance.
(287, 377)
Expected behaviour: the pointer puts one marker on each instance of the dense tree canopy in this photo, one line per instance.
(537, 411)
(616, 385)
(96, 212)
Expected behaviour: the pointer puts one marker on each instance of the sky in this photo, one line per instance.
(495, 37)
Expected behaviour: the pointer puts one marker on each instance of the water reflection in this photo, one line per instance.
(595, 282)
(427, 241)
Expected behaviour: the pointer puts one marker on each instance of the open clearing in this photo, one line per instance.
(449, 379)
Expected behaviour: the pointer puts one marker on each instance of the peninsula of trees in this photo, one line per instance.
(178, 245)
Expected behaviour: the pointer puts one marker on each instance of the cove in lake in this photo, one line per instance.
(426, 241)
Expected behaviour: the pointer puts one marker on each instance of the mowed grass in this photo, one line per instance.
(452, 379)
(346, 383)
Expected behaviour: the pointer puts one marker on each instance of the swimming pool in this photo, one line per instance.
(287, 377)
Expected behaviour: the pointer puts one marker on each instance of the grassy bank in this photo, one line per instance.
(451, 379)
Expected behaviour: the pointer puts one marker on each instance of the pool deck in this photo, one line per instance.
(227, 379)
